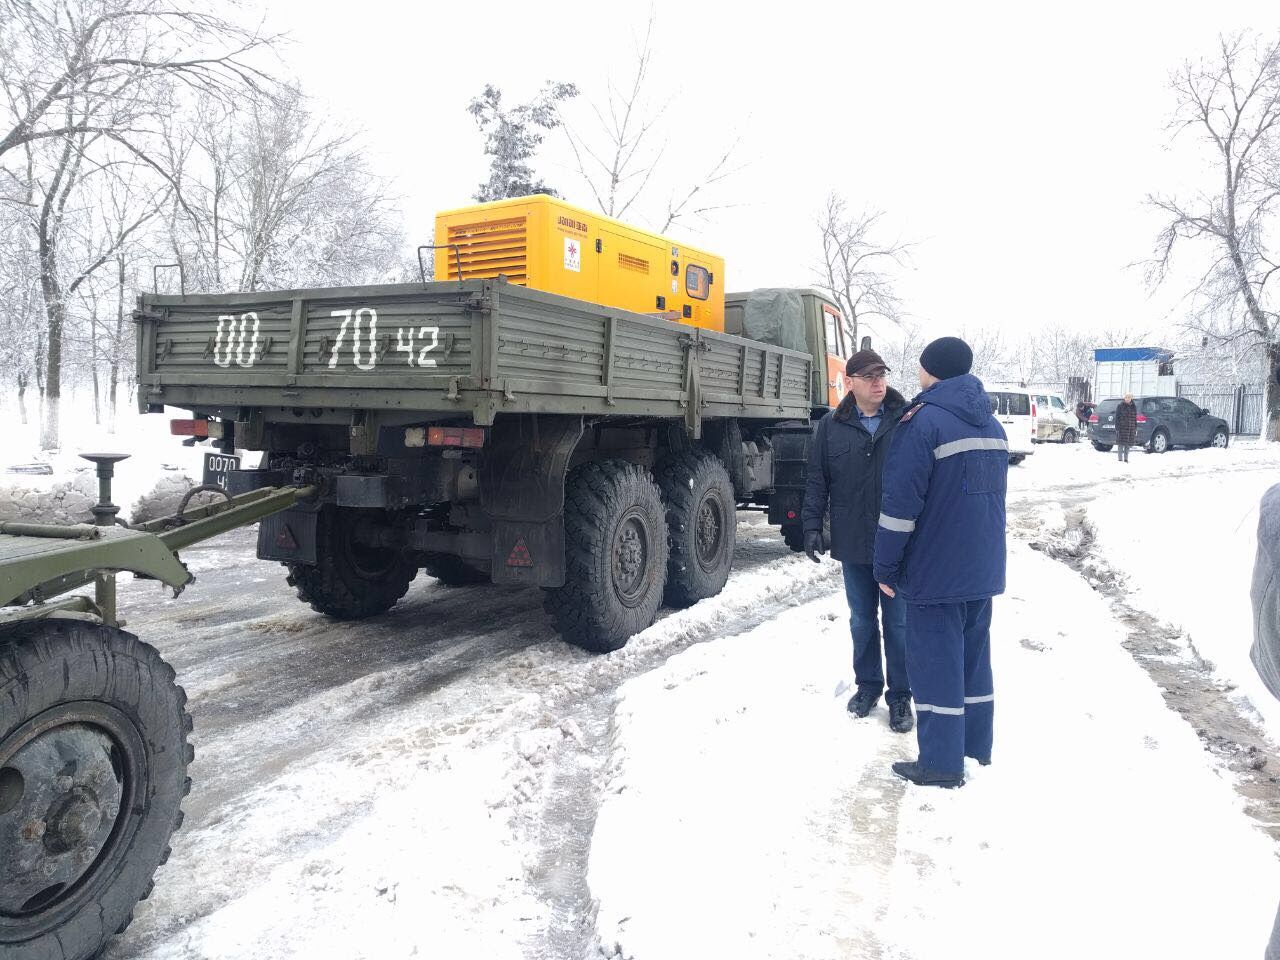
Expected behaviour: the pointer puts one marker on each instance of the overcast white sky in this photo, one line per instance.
(1014, 142)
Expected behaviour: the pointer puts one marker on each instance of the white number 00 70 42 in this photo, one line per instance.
(415, 342)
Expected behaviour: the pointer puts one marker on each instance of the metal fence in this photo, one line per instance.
(1240, 406)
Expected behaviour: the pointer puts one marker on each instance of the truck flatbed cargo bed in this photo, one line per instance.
(470, 349)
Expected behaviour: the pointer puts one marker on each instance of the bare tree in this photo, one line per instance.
(85, 91)
(618, 157)
(512, 137)
(76, 67)
(279, 199)
(1230, 105)
(859, 270)
(902, 353)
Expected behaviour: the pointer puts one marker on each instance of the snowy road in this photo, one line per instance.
(428, 783)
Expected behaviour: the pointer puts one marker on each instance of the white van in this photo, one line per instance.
(1016, 410)
(1054, 420)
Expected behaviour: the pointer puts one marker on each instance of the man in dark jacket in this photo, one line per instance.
(940, 545)
(845, 463)
(1126, 426)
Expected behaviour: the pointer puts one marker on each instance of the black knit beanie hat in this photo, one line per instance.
(947, 357)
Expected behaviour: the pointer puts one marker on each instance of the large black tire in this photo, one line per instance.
(615, 556)
(1102, 447)
(93, 769)
(1159, 442)
(452, 572)
(350, 581)
(702, 526)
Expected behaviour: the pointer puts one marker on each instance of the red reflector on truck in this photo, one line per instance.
(455, 437)
(189, 428)
(519, 556)
(791, 514)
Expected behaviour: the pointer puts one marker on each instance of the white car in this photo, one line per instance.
(1055, 421)
(1016, 410)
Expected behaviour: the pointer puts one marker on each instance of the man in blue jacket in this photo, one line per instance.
(940, 546)
(846, 461)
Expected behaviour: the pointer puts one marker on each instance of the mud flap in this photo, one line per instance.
(528, 553)
(288, 536)
(522, 490)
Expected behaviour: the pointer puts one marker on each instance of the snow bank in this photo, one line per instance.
(748, 815)
(151, 483)
(1186, 551)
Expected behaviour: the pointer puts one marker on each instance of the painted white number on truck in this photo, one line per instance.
(363, 326)
(430, 336)
(354, 319)
(233, 340)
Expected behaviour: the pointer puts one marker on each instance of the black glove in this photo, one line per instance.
(814, 544)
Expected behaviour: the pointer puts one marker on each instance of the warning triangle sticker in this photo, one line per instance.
(285, 540)
(519, 556)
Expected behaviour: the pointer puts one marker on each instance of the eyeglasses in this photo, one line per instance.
(871, 377)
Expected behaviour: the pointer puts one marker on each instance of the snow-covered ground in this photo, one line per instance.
(159, 466)
(747, 815)
(450, 780)
(1185, 548)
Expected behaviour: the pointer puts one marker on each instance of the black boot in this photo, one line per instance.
(901, 719)
(911, 770)
(862, 702)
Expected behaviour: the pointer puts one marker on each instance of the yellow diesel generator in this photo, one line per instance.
(546, 244)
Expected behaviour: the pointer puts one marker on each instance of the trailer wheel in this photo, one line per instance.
(452, 572)
(615, 556)
(702, 526)
(350, 579)
(93, 769)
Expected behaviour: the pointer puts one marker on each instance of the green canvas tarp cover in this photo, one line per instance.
(776, 316)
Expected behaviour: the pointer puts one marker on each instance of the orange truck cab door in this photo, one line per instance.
(837, 353)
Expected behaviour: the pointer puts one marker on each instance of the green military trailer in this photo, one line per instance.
(93, 724)
(483, 431)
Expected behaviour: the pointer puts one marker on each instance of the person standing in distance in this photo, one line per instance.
(846, 461)
(940, 545)
(1126, 427)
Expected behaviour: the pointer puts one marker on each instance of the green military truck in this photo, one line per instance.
(483, 431)
(474, 429)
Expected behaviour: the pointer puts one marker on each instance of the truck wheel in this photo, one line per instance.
(702, 525)
(351, 580)
(93, 769)
(615, 556)
(452, 572)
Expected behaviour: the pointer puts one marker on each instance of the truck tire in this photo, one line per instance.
(93, 769)
(452, 572)
(615, 556)
(350, 581)
(702, 526)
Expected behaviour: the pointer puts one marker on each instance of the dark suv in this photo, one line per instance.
(1163, 422)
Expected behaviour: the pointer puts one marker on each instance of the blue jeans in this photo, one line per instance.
(950, 663)
(865, 600)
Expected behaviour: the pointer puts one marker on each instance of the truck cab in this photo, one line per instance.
(804, 319)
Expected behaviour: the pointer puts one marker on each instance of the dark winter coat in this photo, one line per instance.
(845, 468)
(1266, 593)
(1126, 424)
(941, 532)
